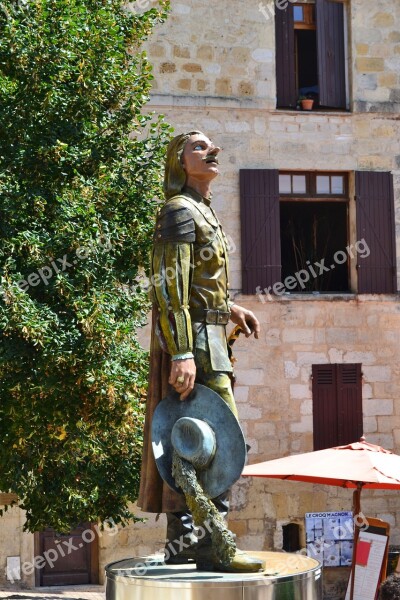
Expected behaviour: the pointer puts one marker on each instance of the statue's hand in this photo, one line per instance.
(182, 376)
(246, 319)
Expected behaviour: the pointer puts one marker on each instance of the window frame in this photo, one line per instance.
(369, 192)
(309, 21)
(311, 185)
(311, 197)
(332, 25)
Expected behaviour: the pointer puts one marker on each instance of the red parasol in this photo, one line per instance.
(358, 465)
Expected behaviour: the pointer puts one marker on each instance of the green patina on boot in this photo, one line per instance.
(225, 556)
(202, 509)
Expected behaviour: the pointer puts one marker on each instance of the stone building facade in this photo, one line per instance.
(215, 69)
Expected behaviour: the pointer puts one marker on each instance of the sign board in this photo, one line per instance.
(329, 537)
(370, 555)
(13, 569)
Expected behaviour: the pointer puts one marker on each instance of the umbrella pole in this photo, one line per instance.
(356, 512)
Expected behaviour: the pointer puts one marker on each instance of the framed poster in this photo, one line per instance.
(329, 537)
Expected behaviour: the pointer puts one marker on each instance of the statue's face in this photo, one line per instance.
(200, 158)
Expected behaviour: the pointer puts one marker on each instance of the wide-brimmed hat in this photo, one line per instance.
(204, 431)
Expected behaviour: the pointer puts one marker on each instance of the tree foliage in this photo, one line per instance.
(79, 176)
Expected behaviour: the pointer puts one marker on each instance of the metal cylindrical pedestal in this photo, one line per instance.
(286, 577)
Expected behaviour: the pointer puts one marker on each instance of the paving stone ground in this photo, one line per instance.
(93, 592)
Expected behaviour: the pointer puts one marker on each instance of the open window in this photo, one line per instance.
(295, 232)
(311, 54)
(314, 231)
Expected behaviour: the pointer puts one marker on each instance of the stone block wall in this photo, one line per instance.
(143, 538)
(287, 140)
(214, 49)
(228, 50)
(376, 51)
(275, 401)
(14, 542)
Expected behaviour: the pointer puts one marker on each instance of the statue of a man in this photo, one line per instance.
(190, 286)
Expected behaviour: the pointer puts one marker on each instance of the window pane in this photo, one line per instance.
(311, 231)
(337, 184)
(298, 13)
(323, 184)
(285, 186)
(299, 184)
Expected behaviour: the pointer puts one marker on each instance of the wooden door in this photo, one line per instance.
(67, 559)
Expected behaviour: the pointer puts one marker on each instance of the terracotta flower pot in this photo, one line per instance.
(307, 104)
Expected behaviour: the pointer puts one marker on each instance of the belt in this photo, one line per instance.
(210, 316)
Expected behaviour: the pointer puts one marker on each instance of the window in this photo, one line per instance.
(337, 404)
(298, 221)
(313, 228)
(318, 185)
(311, 54)
(304, 16)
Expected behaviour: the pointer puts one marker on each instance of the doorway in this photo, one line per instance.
(67, 559)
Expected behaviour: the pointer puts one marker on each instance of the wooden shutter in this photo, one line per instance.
(324, 406)
(260, 229)
(375, 225)
(349, 397)
(286, 89)
(337, 404)
(331, 53)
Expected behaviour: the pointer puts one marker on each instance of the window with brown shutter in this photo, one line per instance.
(314, 231)
(311, 54)
(337, 404)
(298, 221)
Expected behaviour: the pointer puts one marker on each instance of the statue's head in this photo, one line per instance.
(175, 176)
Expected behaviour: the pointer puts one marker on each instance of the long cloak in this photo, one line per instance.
(155, 495)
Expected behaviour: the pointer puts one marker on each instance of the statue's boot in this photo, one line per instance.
(241, 563)
(180, 546)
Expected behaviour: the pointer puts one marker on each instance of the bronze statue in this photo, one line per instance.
(190, 288)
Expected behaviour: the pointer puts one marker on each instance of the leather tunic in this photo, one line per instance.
(190, 272)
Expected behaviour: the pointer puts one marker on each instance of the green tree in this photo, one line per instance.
(80, 164)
